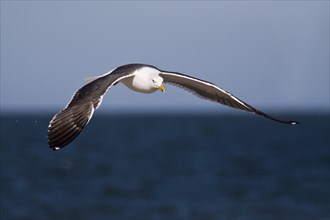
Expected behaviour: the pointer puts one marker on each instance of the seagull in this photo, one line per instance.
(67, 124)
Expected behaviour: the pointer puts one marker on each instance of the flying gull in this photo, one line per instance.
(69, 122)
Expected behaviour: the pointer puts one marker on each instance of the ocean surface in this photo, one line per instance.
(167, 166)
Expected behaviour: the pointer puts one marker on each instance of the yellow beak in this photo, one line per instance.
(161, 88)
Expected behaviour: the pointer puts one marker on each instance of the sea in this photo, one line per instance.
(168, 166)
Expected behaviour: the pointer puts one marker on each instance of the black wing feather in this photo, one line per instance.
(210, 91)
(68, 123)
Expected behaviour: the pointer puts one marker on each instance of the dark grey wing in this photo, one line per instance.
(68, 123)
(212, 92)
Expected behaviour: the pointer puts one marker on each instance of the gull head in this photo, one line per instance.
(145, 80)
(157, 83)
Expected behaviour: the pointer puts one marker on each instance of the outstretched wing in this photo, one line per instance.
(212, 92)
(68, 123)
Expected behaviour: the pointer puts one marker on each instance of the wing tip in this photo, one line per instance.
(293, 122)
(54, 148)
(66, 125)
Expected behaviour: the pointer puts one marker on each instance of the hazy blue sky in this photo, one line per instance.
(272, 54)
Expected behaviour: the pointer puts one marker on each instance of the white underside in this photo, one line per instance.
(136, 86)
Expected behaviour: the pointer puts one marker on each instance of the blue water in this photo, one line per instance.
(168, 167)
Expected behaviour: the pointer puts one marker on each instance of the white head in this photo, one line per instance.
(146, 80)
(157, 83)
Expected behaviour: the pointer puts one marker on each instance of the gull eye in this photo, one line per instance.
(153, 81)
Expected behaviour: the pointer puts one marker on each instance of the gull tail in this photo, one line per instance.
(89, 79)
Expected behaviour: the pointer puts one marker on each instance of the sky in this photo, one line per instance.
(271, 54)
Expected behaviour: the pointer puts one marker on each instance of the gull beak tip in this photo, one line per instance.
(161, 88)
